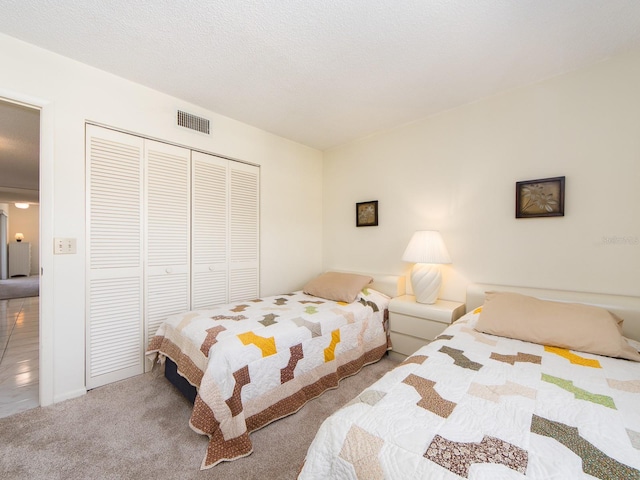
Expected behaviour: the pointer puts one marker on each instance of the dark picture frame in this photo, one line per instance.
(367, 214)
(540, 198)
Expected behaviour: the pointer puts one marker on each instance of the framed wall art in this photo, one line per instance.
(367, 214)
(540, 198)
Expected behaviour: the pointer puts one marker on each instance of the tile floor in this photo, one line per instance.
(19, 350)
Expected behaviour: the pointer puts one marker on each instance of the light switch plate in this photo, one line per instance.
(64, 246)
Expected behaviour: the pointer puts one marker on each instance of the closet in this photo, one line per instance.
(169, 229)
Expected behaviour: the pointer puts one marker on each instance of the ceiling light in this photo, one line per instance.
(22, 205)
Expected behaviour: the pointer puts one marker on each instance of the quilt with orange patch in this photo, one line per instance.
(257, 361)
(477, 406)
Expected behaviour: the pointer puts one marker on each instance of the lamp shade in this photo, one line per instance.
(426, 246)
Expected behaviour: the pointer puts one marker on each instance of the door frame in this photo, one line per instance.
(46, 358)
(3, 239)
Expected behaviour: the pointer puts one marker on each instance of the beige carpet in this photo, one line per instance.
(20, 287)
(138, 429)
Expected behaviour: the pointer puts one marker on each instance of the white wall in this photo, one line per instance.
(26, 221)
(291, 181)
(456, 172)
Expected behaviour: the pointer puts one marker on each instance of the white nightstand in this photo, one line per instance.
(416, 324)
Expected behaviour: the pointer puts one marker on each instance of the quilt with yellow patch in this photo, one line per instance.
(477, 406)
(257, 361)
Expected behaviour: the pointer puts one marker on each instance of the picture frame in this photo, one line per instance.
(367, 214)
(543, 197)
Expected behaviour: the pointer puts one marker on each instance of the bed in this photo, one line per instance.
(247, 364)
(485, 406)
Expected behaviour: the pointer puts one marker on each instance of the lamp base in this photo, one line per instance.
(425, 280)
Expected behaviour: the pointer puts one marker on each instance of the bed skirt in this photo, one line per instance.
(178, 381)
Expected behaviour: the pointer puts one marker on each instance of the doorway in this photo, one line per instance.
(19, 257)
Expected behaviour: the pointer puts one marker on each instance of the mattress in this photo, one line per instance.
(257, 361)
(477, 406)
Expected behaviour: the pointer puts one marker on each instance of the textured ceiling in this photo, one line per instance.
(326, 72)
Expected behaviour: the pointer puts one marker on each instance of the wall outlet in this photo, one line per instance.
(64, 246)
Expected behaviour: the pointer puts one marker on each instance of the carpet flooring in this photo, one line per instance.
(138, 429)
(20, 287)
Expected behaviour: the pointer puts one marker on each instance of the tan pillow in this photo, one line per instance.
(567, 325)
(339, 287)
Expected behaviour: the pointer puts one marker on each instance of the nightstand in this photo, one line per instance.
(415, 324)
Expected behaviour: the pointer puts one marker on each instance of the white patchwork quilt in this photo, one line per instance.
(256, 361)
(477, 406)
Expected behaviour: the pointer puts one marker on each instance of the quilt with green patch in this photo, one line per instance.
(477, 406)
(257, 361)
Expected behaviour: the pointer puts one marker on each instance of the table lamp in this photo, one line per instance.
(427, 251)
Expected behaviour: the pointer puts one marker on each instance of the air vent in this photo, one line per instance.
(188, 120)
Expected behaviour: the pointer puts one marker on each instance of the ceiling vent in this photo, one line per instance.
(193, 122)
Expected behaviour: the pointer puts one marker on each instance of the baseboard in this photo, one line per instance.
(69, 395)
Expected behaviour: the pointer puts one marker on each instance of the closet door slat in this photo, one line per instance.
(114, 333)
(209, 235)
(167, 233)
(244, 232)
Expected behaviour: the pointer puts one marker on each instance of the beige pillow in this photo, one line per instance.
(339, 287)
(567, 325)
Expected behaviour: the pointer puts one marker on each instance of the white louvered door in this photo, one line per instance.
(209, 236)
(244, 231)
(167, 230)
(114, 333)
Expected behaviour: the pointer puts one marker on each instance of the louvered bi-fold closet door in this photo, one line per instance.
(114, 333)
(209, 235)
(167, 238)
(244, 231)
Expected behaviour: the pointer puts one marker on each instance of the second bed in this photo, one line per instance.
(484, 406)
